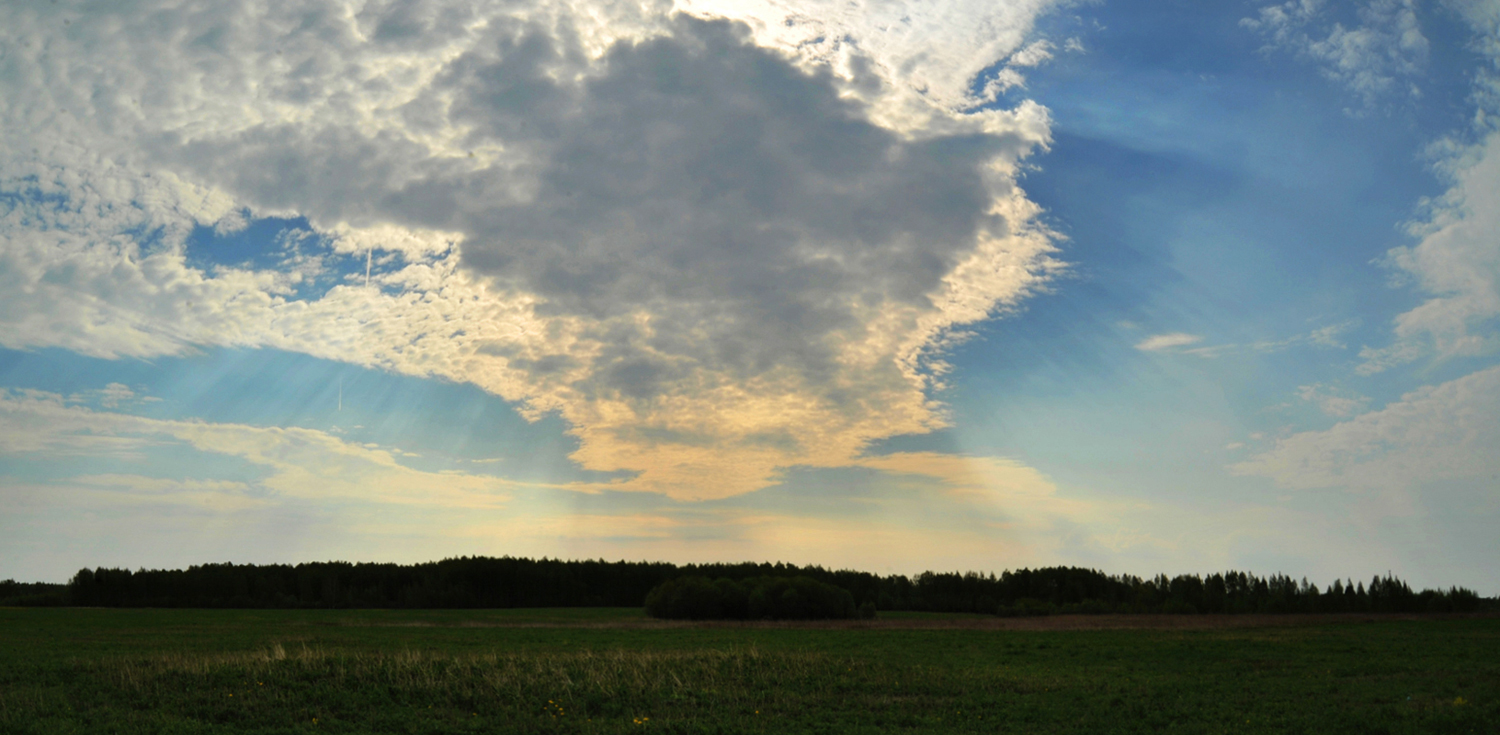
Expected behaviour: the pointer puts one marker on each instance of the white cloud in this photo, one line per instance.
(1035, 54)
(299, 463)
(984, 477)
(1377, 360)
(112, 395)
(926, 53)
(1456, 261)
(1332, 401)
(1159, 342)
(1329, 336)
(1324, 337)
(1445, 432)
(1386, 48)
(695, 269)
(217, 496)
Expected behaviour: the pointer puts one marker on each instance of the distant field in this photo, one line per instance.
(613, 670)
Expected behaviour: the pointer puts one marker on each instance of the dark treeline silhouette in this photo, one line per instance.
(484, 582)
(759, 598)
(32, 594)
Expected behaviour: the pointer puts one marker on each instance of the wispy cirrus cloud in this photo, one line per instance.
(1160, 342)
(1326, 337)
(296, 462)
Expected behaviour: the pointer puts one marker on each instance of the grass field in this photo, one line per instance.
(610, 671)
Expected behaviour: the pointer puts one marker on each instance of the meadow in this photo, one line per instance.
(612, 670)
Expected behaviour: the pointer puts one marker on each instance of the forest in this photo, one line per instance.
(760, 598)
(509, 582)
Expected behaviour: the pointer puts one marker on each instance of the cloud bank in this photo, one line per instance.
(1443, 432)
(716, 247)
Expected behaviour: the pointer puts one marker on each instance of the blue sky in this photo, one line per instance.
(959, 285)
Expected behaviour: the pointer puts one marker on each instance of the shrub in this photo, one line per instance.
(688, 598)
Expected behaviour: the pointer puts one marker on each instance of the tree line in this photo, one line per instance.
(508, 582)
(759, 598)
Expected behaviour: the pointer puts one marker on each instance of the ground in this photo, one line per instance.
(613, 670)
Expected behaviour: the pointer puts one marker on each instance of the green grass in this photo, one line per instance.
(610, 671)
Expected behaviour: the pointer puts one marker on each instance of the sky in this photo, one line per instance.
(1160, 287)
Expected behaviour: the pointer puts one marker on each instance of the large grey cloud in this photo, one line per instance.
(739, 199)
(705, 253)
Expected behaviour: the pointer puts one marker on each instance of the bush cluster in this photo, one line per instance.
(760, 598)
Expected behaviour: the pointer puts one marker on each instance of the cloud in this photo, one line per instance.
(1377, 360)
(311, 495)
(298, 463)
(1387, 47)
(1017, 502)
(971, 476)
(1443, 432)
(907, 511)
(1329, 336)
(1332, 401)
(1159, 342)
(1035, 54)
(937, 509)
(713, 251)
(1456, 260)
(1325, 337)
(112, 395)
(906, 57)
(211, 495)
